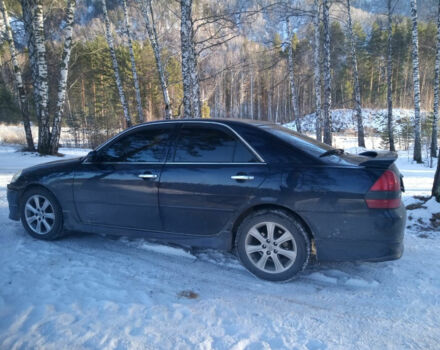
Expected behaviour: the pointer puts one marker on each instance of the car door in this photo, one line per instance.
(210, 174)
(119, 185)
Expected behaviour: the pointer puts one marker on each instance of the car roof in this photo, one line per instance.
(227, 121)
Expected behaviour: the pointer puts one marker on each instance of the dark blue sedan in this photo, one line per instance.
(274, 196)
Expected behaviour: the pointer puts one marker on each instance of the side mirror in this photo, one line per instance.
(93, 157)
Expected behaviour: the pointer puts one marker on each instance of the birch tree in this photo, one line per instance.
(357, 90)
(27, 10)
(436, 91)
(327, 75)
(191, 87)
(41, 83)
(416, 80)
(133, 63)
(109, 37)
(24, 107)
(147, 11)
(64, 70)
(389, 78)
(290, 64)
(317, 70)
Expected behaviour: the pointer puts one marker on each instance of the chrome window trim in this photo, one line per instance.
(179, 163)
(255, 153)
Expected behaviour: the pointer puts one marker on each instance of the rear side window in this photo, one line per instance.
(208, 144)
(270, 147)
(147, 145)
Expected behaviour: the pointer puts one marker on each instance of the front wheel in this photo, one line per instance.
(41, 214)
(273, 245)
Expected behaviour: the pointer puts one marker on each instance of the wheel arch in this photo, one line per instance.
(31, 186)
(272, 207)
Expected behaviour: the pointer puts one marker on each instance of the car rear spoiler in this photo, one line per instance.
(378, 159)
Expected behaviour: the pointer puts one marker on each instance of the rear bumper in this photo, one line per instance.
(375, 236)
(13, 201)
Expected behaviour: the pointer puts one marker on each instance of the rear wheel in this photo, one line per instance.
(273, 245)
(41, 214)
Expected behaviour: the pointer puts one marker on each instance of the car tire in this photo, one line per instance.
(41, 214)
(273, 245)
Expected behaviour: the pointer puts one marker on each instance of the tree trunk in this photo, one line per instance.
(41, 78)
(27, 9)
(357, 90)
(436, 90)
(185, 39)
(290, 65)
(327, 76)
(191, 86)
(24, 107)
(389, 80)
(133, 63)
(416, 79)
(118, 81)
(317, 71)
(147, 11)
(64, 70)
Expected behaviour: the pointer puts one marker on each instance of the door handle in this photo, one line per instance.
(147, 176)
(242, 177)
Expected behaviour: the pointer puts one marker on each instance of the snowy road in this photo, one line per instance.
(90, 292)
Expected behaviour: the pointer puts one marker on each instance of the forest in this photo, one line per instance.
(95, 67)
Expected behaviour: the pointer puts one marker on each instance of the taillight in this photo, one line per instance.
(385, 193)
(387, 182)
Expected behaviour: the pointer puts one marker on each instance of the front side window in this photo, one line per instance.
(207, 144)
(147, 145)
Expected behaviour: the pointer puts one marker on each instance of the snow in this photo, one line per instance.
(94, 292)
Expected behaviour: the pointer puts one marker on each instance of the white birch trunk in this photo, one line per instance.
(185, 39)
(357, 90)
(290, 65)
(64, 71)
(434, 145)
(24, 107)
(147, 11)
(191, 85)
(327, 76)
(133, 63)
(118, 81)
(27, 10)
(317, 71)
(389, 79)
(41, 82)
(416, 80)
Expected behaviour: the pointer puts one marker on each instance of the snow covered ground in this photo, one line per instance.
(91, 292)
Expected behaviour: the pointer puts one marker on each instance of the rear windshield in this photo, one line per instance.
(304, 143)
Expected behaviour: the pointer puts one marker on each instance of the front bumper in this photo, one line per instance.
(375, 236)
(14, 204)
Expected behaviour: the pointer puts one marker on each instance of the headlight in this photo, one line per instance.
(16, 176)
